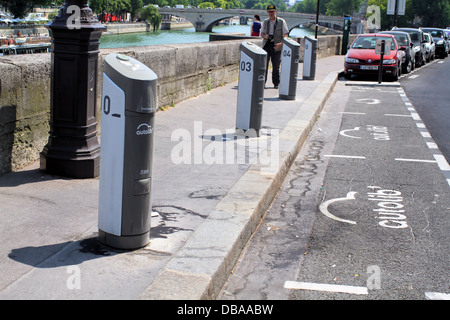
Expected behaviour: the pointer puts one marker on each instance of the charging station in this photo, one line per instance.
(252, 69)
(289, 69)
(309, 58)
(127, 129)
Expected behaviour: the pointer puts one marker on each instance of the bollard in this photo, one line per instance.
(252, 70)
(309, 59)
(289, 69)
(128, 110)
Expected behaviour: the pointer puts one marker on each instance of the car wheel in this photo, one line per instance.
(418, 62)
(408, 67)
(396, 75)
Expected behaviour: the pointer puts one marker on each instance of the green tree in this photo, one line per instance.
(340, 7)
(20, 8)
(205, 5)
(433, 13)
(151, 15)
(309, 6)
(136, 6)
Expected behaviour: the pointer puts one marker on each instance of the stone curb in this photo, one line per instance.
(200, 268)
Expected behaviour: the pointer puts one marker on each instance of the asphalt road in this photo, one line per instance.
(364, 210)
(428, 90)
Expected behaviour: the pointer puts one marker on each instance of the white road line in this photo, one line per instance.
(425, 134)
(353, 113)
(324, 207)
(432, 145)
(442, 162)
(344, 133)
(325, 287)
(343, 156)
(420, 125)
(437, 296)
(397, 115)
(415, 116)
(416, 160)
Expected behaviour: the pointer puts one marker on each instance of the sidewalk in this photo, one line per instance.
(211, 188)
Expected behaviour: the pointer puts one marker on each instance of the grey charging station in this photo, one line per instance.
(289, 69)
(309, 58)
(127, 129)
(252, 68)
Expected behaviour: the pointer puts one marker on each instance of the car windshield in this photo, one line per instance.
(369, 42)
(435, 33)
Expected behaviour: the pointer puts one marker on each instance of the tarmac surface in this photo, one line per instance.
(211, 187)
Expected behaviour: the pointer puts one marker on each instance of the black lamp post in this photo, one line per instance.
(317, 18)
(73, 149)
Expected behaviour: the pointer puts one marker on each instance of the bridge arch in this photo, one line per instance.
(205, 19)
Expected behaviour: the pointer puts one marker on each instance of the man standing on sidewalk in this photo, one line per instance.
(273, 31)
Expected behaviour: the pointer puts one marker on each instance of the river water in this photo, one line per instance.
(187, 35)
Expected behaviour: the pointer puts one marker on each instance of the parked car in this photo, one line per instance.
(430, 46)
(448, 39)
(419, 44)
(441, 40)
(361, 58)
(404, 42)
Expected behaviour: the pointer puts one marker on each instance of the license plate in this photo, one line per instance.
(369, 67)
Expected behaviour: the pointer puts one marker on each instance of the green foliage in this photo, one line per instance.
(20, 8)
(341, 7)
(434, 13)
(431, 13)
(151, 15)
(205, 5)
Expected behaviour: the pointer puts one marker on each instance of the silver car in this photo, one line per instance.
(430, 46)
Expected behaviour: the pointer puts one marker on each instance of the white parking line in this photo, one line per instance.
(437, 296)
(442, 162)
(343, 156)
(362, 113)
(397, 115)
(416, 160)
(325, 287)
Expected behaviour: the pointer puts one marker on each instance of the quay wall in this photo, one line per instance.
(184, 71)
(120, 28)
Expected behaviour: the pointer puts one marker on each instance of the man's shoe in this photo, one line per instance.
(275, 86)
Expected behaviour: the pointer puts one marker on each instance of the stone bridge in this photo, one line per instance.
(205, 19)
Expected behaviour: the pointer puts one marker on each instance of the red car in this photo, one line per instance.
(361, 59)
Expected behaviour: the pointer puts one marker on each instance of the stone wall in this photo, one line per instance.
(184, 71)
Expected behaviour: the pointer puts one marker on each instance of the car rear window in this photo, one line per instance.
(414, 35)
(435, 33)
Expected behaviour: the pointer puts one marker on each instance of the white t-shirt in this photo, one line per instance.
(272, 25)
